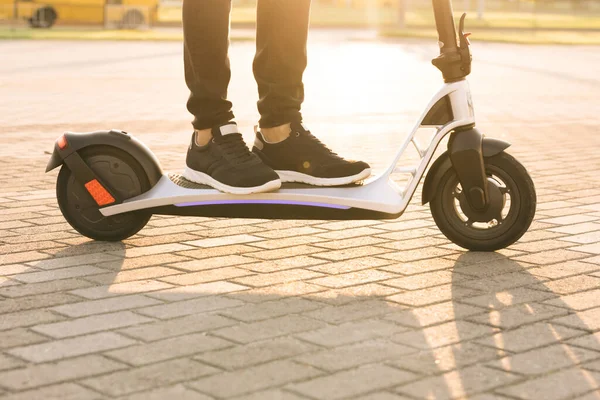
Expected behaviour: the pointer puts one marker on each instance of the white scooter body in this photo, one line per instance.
(379, 194)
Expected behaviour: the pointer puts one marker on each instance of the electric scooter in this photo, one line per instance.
(481, 198)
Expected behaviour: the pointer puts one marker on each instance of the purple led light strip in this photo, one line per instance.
(284, 202)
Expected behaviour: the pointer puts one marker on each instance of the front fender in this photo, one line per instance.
(491, 147)
(119, 139)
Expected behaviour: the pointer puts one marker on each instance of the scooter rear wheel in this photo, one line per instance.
(507, 217)
(126, 179)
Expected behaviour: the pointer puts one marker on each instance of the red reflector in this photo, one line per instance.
(62, 142)
(99, 193)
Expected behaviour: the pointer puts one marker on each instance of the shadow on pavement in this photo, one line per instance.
(495, 327)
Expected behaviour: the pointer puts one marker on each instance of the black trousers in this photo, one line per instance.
(280, 61)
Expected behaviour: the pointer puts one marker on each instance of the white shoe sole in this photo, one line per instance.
(204, 179)
(293, 176)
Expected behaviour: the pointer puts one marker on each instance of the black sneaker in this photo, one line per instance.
(226, 164)
(303, 158)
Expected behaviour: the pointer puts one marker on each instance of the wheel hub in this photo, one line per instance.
(493, 210)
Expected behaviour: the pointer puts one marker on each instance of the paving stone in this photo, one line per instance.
(44, 374)
(350, 332)
(270, 395)
(422, 281)
(571, 284)
(9, 362)
(206, 276)
(283, 264)
(353, 382)
(529, 337)
(443, 335)
(277, 373)
(27, 318)
(123, 265)
(119, 289)
(544, 360)
(353, 278)
(94, 323)
(350, 253)
(187, 307)
(148, 377)
(355, 355)
(177, 326)
(270, 309)
(133, 275)
(432, 315)
(61, 273)
(32, 289)
(157, 249)
(71, 347)
(438, 294)
(64, 391)
(588, 248)
(199, 290)
(586, 320)
(442, 359)
(498, 283)
(349, 265)
(178, 392)
(19, 337)
(417, 254)
(521, 314)
(595, 395)
(590, 341)
(553, 386)
(551, 257)
(165, 349)
(275, 292)
(225, 241)
(275, 327)
(353, 311)
(36, 301)
(490, 268)
(353, 293)
(577, 301)
(7, 270)
(267, 279)
(92, 307)
(214, 262)
(256, 353)
(508, 298)
(459, 383)
(22, 257)
(72, 261)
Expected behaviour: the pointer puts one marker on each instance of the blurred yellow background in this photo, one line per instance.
(555, 21)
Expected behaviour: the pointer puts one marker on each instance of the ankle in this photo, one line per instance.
(276, 134)
(202, 136)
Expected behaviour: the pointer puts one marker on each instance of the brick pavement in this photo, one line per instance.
(199, 308)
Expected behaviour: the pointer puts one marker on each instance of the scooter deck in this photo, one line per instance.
(267, 211)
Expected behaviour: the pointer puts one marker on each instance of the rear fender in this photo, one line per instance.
(73, 142)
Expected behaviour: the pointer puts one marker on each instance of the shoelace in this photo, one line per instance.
(319, 146)
(234, 148)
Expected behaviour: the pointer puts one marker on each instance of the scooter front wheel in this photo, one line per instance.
(126, 179)
(506, 218)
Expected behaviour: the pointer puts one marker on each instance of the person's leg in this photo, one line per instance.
(217, 155)
(206, 61)
(280, 61)
(284, 143)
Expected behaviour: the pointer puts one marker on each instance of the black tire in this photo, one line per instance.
(44, 17)
(125, 177)
(516, 188)
(132, 19)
